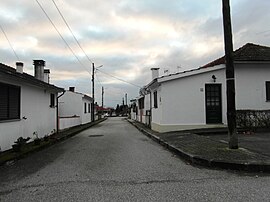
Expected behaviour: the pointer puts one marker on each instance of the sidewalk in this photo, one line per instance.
(209, 152)
(10, 155)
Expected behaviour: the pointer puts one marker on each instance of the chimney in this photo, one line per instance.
(47, 75)
(155, 73)
(39, 69)
(72, 89)
(19, 67)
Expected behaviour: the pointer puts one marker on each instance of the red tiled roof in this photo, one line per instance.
(249, 52)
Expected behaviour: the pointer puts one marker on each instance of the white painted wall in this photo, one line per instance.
(183, 99)
(68, 122)
(250, 86)
(40, 117)
(86, 117)
(157, 112)
(182, 103)
(72, 104)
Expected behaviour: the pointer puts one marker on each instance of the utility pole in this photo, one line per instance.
(126, 107)
(93, 92)
(102, 98)
(231, 111)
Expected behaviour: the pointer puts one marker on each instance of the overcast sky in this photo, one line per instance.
(127, 37)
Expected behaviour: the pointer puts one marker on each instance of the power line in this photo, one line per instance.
(61, 36)
(118, 78)
(62, 16)
(9, 43)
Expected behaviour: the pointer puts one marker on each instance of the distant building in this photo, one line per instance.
(74, 109)
(197, 98)
(27, 103)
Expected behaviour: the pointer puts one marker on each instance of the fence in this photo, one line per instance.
(252, 119)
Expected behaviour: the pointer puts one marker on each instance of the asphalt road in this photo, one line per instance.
(113, 161)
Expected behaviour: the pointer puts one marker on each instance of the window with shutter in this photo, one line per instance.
(155, 100)
(267, 86)
(9, 102)
(52, 100)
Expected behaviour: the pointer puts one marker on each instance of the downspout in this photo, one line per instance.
(57, 112)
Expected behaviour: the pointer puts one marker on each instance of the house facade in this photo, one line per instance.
(197, 98)
(27, 104)
(74, 109)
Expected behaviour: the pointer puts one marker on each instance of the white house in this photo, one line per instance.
(27, 103)
(74, 109)
(197, 98)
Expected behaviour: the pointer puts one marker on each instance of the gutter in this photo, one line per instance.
(57, 112)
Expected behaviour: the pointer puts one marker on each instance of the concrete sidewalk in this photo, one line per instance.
(209, 152)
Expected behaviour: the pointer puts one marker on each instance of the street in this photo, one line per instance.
(113, 161)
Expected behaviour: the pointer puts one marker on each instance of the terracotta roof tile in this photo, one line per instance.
(249, 52)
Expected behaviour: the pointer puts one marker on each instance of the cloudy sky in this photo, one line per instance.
(127, 37)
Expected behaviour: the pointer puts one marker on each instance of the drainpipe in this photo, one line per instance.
(57, 112)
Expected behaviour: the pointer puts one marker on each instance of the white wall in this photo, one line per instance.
(157, 112)
(250, 86)
(35, 107)
(72, 103)
(183, 100)
(86, 117)
(67, 122)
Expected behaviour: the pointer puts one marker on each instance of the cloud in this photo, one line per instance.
(127, 37)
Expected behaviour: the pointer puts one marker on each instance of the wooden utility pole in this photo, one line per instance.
(93, 92)
(231, 111)
(102, 99)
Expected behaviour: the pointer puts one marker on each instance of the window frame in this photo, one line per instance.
(52, 100)
(267, 91)
(155, 99)
(89, 108)
(16, 90)
(85, 108)
(141, 103)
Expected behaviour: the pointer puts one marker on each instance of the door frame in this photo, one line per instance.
(220, 104)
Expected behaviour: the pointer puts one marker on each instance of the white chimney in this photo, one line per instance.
(39, 69)
(155, 73)
(19, 67)
(47, 75)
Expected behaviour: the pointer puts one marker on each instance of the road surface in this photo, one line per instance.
(113, 161)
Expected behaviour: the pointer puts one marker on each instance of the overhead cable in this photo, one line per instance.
(62, 36)
(9, 43)
(118, 78)
(74, 37)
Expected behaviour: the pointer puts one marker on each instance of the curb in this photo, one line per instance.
(209, 163)
(70, 132)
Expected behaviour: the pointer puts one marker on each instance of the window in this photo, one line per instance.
(155, 100)
(85, 108)
(141, 103)
(52, 102)
(267, 86)
(89, 108)
(10, 97)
